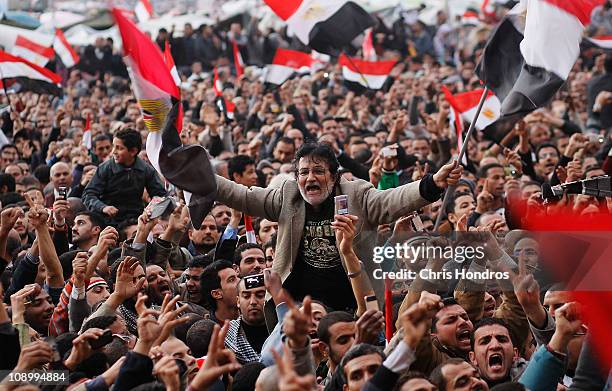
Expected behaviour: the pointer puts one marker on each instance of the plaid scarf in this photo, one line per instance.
(237, 342)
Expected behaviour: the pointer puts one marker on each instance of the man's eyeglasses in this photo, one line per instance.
(316, 172)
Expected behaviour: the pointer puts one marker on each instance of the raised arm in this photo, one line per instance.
(38, 217)
(344, 225)
(383, 207)
(254, 201)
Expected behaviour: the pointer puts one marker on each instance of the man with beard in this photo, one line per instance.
(308, 259)
(22, 226)
(494, 353)
(203, 240)
(130, 279)
(160, 285)
(218, 290)
(336, 333)
(86, 230)
(250, 259)
(247, 334)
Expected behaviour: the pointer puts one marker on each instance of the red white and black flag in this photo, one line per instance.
(527, 60)
(225, 106)
(32, 51)
(327, 26)
(29, 76)
(238, 62)
(158, 97)
(599, 41)
(288, 63)
(360, 75)
(63, 50)
(143, 10)
(463, 109)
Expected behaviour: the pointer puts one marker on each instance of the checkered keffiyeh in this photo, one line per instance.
(237, 342)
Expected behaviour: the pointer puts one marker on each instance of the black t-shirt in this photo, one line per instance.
(318, 270)
(256, 335)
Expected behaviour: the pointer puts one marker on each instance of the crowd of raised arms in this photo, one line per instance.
(103, 291)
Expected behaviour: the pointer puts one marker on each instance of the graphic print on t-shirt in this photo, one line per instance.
(320, 249)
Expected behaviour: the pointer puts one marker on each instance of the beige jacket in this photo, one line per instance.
(286, 206)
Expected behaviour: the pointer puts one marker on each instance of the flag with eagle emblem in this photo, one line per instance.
(159, 100)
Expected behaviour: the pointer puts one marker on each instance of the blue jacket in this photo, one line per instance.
(543, 372)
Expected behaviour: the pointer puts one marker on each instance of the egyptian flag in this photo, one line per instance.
(600, 41)
(327, 26)
(526, 61)
(175, 76)
(143, 10)
(32, 51)
(367, 47)
(64, 51)
(226, 107)
(238, 63)
(286, 64)
(464, 105)
(250, 232)
(29, 76)
(86, 142)
(186, 167)
(360, 75)
(470, 17)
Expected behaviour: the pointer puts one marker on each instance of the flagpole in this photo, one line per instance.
(451, 189)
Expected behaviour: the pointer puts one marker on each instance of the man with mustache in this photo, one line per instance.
(307, 257)
(204, 239)
(247, 334)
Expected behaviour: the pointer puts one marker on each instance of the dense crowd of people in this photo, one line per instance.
(97, 282)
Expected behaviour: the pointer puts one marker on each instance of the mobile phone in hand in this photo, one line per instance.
(102, 340)
(371, 303)
(341, 204)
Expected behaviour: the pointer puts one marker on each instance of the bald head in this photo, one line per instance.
(61, 175)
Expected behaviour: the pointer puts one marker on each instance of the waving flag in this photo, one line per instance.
(186, 167)
(327, 26)
(526, 67)
(175, 76)
(367, 48)
(29, 76)
(143, 10)
(32, 51)
(463, 109)
(359, 74)
(64, 51)
(226, 107)
(601, 41)
(87, 133)
(238, 63)
(250, 232)
(464, 104)
(287, 63)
